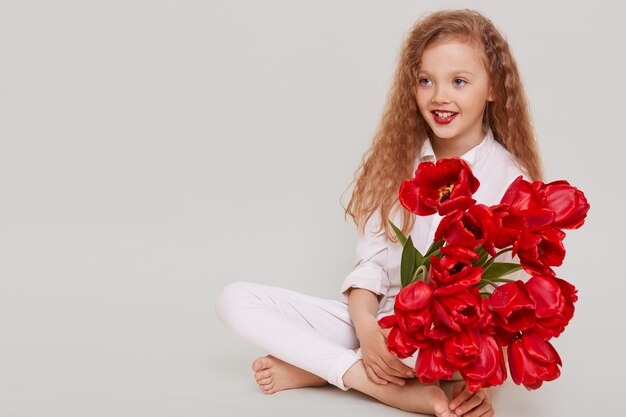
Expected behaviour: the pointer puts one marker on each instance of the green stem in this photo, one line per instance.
(424, 271)
(492, 260)
(502, 280)
(489, 282)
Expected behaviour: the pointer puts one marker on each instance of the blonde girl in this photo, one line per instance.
(457, 93)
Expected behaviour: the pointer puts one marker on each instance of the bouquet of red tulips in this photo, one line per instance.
(445, 308)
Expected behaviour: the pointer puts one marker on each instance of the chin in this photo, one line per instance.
(443, 133)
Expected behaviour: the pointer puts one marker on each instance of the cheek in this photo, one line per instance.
(474, 104)
(422, 102)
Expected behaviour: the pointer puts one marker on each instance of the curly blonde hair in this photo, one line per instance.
(402, 130)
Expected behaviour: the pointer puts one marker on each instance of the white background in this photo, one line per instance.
(154, 151)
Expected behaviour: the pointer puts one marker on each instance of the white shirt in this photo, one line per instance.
(377, 264)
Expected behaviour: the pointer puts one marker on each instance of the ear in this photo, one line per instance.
(491, 96)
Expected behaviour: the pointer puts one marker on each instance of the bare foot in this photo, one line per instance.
(274, 375)
(414, 396)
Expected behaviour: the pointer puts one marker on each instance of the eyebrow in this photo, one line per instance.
(452, 72)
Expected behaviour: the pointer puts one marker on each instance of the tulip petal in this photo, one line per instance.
(414, 296)
(546, 294)
(387, 321)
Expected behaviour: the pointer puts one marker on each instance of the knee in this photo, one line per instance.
(231, 300)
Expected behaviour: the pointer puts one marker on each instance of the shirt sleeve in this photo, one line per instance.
(370, 266)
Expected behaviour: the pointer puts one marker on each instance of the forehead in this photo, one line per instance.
(453, 55)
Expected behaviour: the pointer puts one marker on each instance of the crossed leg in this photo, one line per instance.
(311, 341)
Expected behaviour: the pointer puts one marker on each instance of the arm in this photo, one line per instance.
(381, 366)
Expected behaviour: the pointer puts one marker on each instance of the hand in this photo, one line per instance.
(381, 366)
(471, 404)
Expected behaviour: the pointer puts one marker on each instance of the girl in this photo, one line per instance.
(457, 93)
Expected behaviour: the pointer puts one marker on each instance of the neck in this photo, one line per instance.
(450, 148)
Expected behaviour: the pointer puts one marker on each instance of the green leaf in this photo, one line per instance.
(500, 269)
(434, 247)
(485, 294)
(419, 258)
(407, 263)
(483, 257)
(502, 280)
(398, 232)
(487, 264)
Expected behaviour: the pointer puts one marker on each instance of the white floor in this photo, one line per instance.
(190, 366)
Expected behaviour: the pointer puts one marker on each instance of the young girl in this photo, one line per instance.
(457, 93)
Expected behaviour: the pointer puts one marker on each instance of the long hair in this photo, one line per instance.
(402, 130)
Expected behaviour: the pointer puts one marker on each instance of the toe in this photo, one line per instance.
(261, 363)
(264, 381)
(269, 388)
(263, 374)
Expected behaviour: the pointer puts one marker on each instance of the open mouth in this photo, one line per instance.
(443, 117)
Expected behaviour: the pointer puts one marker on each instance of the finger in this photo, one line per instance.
(489, 413)
(372, 375)
(381, 363)
(457, 388)
(397, 368)
(384, 375)
(482, 410)
(470, 404)
(460, 398)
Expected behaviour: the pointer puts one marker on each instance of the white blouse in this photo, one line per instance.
(377, 263)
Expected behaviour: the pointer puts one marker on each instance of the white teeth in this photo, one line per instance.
(443, 114)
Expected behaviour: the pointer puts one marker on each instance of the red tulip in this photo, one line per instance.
(557, 204)
(462, 347)
(554, 304)
(412, 308)
(457, 254)
(403, 344)
(488, 369)
(431, 364)
(512, 307)
(451, 277)
(507, 224)
(458, 310)
(533, 360)
(469, 228)
(412, 319)
(521, 195)
(539, 249)
(443, 187)
(568, 204)
(414, 297)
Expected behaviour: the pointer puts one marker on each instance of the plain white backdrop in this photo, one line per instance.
(154, 151)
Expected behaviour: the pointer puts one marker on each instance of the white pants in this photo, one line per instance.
(314, 334)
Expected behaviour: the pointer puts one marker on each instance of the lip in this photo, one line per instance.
(442, 120)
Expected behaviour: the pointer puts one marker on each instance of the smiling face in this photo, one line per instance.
(452, 92)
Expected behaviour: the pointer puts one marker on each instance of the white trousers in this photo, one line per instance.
(314, 334)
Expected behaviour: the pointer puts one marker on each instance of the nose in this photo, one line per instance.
(441, 95)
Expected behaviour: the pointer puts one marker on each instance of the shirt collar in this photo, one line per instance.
(471, 157)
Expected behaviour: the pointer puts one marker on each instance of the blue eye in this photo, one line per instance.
(458, 82)
(425, 81)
